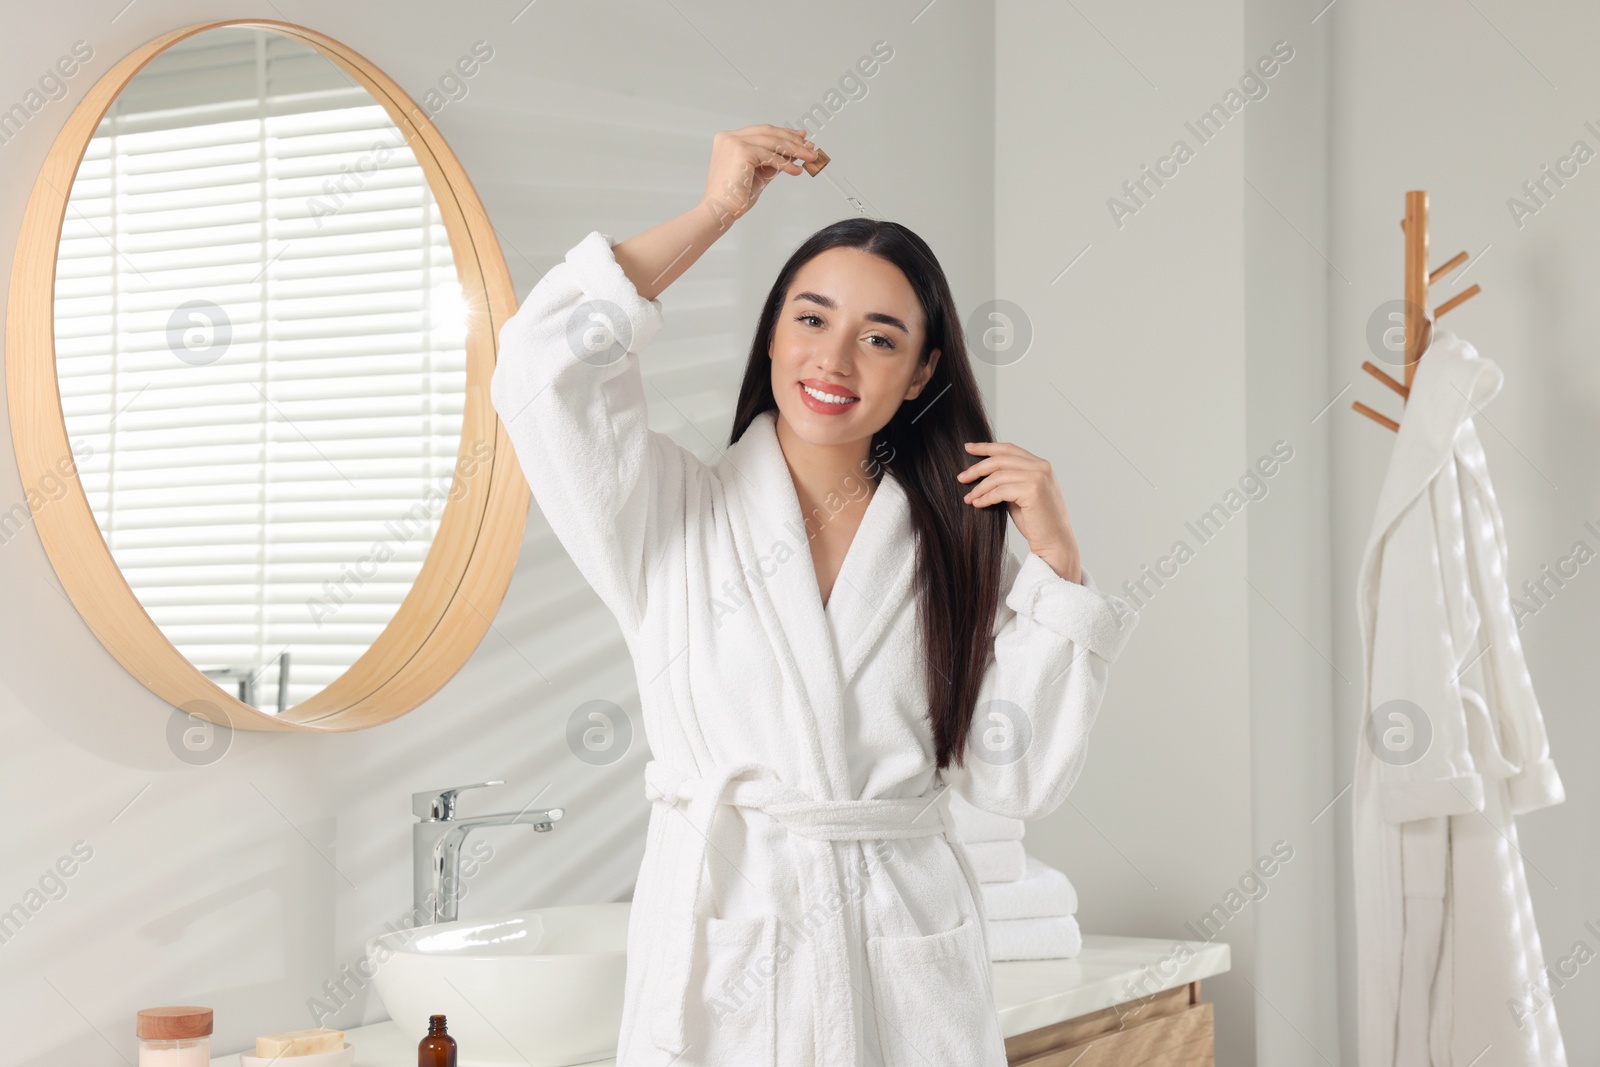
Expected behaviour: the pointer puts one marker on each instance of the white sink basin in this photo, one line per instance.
(536, 988)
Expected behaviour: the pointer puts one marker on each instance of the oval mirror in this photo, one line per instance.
(260, 305)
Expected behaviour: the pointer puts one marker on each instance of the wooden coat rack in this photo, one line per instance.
(1418, 327)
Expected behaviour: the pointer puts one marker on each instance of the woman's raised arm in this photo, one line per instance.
(568, 386)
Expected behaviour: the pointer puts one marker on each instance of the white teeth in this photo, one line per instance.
(829, 398)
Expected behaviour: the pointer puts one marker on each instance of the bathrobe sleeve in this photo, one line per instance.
(1535, 783)
(1054, 642)
(1417, 716)
(569, 388)
(1418, 732)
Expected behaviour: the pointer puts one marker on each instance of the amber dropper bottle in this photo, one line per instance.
(438, 1049)
(814, 168)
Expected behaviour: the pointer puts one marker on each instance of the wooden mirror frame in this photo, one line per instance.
(468, 566)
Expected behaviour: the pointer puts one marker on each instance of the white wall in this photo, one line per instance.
(1292, 674)
(1468, 102)
(1183, 364)
(248, 883)
(1135, 391)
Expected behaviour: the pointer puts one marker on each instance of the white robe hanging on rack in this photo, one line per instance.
(1453, 745)
(804, 898)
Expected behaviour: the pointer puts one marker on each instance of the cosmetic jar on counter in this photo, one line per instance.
(175, 1037)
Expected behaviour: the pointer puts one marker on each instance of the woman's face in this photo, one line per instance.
(844, 347)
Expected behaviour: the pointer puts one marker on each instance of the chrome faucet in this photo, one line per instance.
(436, 847)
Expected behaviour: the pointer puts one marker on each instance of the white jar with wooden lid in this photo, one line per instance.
(175, 1037)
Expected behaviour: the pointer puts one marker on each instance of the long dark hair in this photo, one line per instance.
(959, 547)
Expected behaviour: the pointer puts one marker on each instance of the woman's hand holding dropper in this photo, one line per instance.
(743, 162)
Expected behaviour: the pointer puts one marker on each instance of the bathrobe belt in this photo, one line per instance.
(815, 824)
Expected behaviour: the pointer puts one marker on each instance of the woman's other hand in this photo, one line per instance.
(1028, 486)
(743, 162)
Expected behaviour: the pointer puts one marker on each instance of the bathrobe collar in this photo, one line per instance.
(824, 647)
(1451, 384)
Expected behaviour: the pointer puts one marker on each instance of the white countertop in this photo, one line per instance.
(1029, 993)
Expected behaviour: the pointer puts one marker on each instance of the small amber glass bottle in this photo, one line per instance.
(438, 1049)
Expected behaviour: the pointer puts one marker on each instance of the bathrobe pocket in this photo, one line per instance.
(933, 998)
(733, 997)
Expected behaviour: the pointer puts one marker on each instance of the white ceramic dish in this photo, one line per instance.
(342, 1058)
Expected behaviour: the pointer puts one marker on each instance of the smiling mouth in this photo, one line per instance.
(824, 397)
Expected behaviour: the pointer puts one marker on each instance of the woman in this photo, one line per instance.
(815, 620)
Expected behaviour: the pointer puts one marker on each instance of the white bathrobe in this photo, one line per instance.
(1452, 746)
(803, 898)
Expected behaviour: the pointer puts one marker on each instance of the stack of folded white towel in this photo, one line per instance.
(1030, 907)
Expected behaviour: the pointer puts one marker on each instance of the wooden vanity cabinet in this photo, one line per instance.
(1168, 1029)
